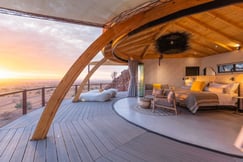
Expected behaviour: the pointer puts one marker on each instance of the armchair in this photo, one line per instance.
(166, 102)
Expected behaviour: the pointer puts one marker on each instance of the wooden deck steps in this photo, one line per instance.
(92, 131)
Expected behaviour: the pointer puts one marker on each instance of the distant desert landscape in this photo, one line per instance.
(11, 104)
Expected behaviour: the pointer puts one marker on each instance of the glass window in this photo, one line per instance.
(239, 67)
(234, 67)
(226, 68)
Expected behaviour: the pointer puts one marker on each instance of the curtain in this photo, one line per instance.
(133, 71)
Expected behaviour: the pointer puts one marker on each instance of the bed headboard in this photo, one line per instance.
(226, 78)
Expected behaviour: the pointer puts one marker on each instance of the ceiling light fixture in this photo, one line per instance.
(237, 46)
(172, 43)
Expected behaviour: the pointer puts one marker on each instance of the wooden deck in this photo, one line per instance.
(92, 131)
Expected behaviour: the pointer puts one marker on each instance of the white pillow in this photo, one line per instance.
(218, 85)
(216, 89)
(232, 88)
(188, 82)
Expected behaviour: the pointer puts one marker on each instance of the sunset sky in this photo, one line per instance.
(41, 49)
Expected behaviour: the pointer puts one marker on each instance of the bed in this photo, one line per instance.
(207, 95)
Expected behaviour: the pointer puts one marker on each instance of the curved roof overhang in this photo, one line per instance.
(87, 12)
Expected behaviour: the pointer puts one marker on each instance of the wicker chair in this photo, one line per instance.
(166, 102)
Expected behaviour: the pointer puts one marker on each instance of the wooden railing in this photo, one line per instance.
(17, 103)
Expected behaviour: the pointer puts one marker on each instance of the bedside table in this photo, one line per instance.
(240, 100)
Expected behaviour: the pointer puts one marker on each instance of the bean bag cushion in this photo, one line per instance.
(95, 96)
(112, 91)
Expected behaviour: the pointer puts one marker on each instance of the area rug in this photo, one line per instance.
(157, 112)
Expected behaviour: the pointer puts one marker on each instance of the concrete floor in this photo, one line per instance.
(212, 129)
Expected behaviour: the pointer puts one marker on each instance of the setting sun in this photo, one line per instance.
(6, 74)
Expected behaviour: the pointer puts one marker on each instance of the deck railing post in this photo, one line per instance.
(100, 85)
(24, 102)
(43, 96)
(76, 89)
(88, 79)
(88, 86)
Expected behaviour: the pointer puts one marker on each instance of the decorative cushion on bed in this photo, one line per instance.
(232, 88)
(218, 85)
(216, 89)
(197, 86)
(188, 82)
(229, 88)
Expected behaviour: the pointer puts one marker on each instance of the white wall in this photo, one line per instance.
(171, 71)
(213, 61)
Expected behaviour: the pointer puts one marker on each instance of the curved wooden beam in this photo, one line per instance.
(111, 34)
(81, 87)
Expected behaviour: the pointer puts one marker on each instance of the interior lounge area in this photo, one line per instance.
(214, 125)
(190, 56)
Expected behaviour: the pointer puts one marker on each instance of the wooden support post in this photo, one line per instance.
(43, 96)
(76, 89)
(114, 32)
(24, 102)
(89, 78)
(81, 87)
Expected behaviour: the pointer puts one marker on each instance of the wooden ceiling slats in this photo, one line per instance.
(211, 32)
(127, 42)
(205, 46)
(135, 45)
(224, 19)
(144, 51)
(202, 36)
(214, 30)
(156, 36)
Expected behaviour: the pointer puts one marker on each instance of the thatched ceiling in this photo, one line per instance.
(212, 32)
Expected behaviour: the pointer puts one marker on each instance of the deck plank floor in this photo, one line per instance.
(91, 131)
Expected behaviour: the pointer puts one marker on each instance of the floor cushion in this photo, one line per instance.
(95, 96)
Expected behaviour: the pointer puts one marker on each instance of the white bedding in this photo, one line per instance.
(186, 98)
(227, 99)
